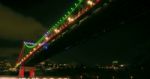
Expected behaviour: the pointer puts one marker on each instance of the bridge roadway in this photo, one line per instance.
(105, 20)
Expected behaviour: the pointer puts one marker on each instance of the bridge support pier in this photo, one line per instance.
(32, 72)
(21, 72)
(29, 70)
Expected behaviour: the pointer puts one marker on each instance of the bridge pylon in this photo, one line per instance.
(25, 71)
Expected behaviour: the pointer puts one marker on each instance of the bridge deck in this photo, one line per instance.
(105, 20)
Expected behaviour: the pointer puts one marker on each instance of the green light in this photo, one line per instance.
(72, 9)
(28, 48)
(75, 4)
(80, 0)
(68, 12)
(58, 23)
(65, 16)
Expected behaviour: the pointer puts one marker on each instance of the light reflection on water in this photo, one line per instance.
(10, 77)
(7, 77)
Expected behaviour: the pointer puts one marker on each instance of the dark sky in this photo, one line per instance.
(27, 20)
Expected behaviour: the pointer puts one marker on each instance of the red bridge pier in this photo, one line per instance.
(30, 70)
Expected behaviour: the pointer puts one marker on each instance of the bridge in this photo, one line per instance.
(55, 38)
(78, 24)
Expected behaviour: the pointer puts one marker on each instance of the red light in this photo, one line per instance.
(98, 1)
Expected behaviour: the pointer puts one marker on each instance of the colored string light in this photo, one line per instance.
(57, 28)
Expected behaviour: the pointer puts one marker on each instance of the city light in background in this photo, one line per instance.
(5, 77)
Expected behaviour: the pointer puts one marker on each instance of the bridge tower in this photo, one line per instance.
(23, 69)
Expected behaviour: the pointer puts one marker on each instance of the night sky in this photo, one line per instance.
(28, 20)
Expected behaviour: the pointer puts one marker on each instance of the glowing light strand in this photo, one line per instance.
(58, 25)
